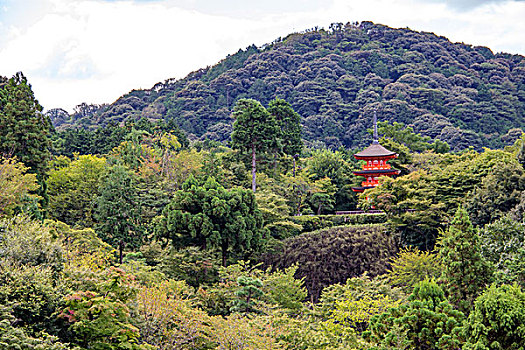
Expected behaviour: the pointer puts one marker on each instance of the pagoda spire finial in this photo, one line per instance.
(376, 137)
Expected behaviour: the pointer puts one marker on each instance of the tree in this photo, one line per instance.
(333, 255)
(208, 216)
(168, 319)
(412, 266)
(117, 211)
(498, 320)
(427, 321)
(289, 122)
(100, 318)
(15, 185)
(503, 244)
(24, 130)
(255, 131)
(465, 271)
(73, 190)
(247, 294)
(498, 193)
(331, 164)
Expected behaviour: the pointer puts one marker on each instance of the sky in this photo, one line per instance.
(94, 51)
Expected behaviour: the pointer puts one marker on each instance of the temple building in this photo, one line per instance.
(376, 157)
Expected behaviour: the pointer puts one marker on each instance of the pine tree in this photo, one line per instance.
(465, 272)
(255, 132)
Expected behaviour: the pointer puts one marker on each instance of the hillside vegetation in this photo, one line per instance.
(136, 236)
(464, 95)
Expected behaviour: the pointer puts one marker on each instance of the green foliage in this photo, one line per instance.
(410, 208)
(412, 266)
(316, 222)
(283, 289)
(497, 194)
(419, 204)
(289, 123)
(117, 213)
(247, 294)
(191, 264)
(427, 321)
(332, 165)
(465, 271)
(502, 244)
(406, 136)
(14, 338)
(255, 132)
(73, 190)
(24, 130)
(16, 186)
(464, 95)
(100, 319)
(167, 318)
(498, 320)
(351, 314)
(72, 138)
(208, 216)
(24, 242)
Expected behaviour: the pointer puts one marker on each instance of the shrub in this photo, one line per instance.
(335, 254)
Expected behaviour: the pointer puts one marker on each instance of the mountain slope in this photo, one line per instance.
(335, 78)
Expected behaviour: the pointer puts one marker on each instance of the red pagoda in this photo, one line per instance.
(376, 157)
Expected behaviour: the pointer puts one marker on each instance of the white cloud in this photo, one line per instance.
(93, 51)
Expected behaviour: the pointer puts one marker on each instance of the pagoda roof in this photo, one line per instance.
(361, 189)
(375, 150)
(377, 171)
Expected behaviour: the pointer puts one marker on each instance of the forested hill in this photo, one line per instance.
(464, 95)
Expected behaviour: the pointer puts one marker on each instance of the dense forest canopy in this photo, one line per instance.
(464, 95)
(132, 232)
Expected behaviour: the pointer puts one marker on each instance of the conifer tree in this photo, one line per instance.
(255, 131)
(117, 212)
(24, 130)
(465, 272)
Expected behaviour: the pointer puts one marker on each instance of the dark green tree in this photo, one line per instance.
(289, 123)
(255, 132)
(117, 211)
(208, 216)
(521, 150)
(498, 320)
(503, 244)
(465, 272)
(427, 321)
(24, 129)
(247, 294)
(498, 193)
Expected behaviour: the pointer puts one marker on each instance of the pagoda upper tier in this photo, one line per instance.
(375, 151)
(376, 157)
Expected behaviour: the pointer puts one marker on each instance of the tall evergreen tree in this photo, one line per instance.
(24, 130)
(255, 131)
(289, 123)
(465, 272)
(117, 211)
